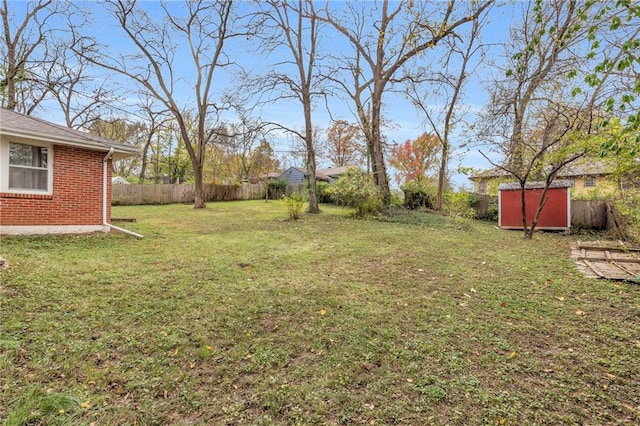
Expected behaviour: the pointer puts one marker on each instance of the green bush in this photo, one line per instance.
(356, 189)
(294, 204)
(418, 195)
(461, 203)
(323, 194)
(492, 212)
(629, 210)
(276, 188)
(397, 199)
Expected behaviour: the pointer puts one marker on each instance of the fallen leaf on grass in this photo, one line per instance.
(560, 298)
(503, 304)
(174, 353)
(85, 404)
(579, 312)
(323, 311)
(512, 354)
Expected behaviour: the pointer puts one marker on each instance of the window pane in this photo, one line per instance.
(27, 155)
(21, 178)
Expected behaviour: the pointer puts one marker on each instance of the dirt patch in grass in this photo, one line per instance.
(333, 321)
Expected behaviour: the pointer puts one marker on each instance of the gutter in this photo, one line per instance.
(104, 197)
(59, 140)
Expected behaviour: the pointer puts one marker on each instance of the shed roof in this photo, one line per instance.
(534, 185)
(576, 169)
(20, 125)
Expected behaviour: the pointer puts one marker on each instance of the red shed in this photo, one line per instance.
(555, 216)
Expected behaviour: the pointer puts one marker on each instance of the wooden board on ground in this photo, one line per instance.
(608, 259)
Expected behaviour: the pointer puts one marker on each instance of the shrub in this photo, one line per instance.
(629, 210)
(418, 195)
(276, 188)
(294, 204)
(461, 203)
(323, 194)
(356, 189)
(492, 212)
(397, 199)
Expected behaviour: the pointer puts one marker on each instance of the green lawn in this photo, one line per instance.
(232, 315)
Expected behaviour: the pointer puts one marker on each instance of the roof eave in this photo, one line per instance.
(122, 150)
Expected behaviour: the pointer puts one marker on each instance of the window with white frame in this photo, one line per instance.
(28, 168)
(589, 182)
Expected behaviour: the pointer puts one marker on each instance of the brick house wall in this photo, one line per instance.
(76, 197)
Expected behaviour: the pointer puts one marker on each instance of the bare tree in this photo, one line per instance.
(383, 38)
(445, 83)
(294, 26)
(81, 99)
(250, 152)
(123, 131)
(28, 52)
(203, 27)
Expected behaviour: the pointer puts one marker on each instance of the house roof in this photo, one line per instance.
(20, 125)
(319, 174)
(334, 171)
(583, 168)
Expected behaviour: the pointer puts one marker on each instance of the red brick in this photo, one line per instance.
(77, 193)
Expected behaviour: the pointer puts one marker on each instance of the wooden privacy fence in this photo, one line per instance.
(133, 195)
(587, 214)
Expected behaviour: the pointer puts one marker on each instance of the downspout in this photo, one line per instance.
(105, 175)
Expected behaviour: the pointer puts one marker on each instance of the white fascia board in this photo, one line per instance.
(70, 142)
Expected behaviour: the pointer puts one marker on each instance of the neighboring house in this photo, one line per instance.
(296, 175)
(54, 179)
(584, 177)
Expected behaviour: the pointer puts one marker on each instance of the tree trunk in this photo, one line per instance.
(536, 217)
(199, 202)
(523, 206)
(311, 156)
(442, 174)
(144, 161)
(377, 161)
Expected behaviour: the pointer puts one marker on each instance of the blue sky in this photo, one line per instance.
(405, 122)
